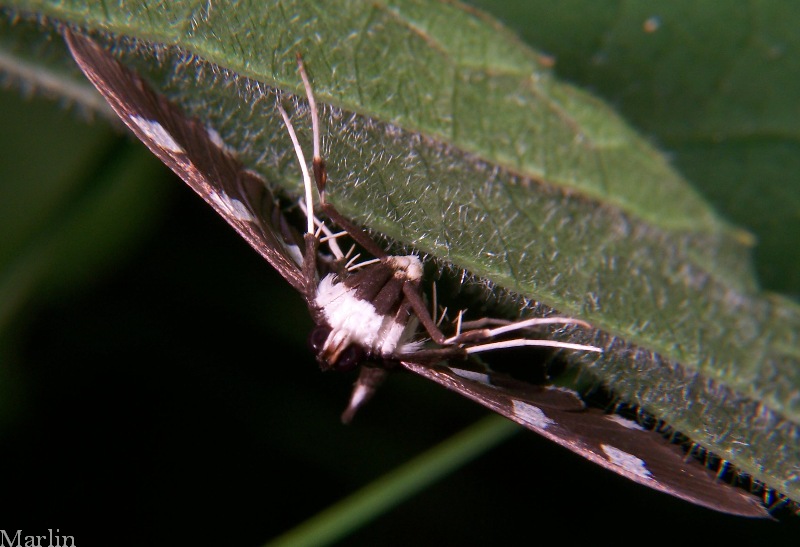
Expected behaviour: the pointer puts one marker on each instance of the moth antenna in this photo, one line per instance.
(303, 167)
(320, 172)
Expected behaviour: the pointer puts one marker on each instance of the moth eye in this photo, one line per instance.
(318, 337)
(350, 358)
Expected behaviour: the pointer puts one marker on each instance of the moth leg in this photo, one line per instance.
(477, 340)
(414, 298)
(529, 342)
(477, 328)
(485, 322)
(472, 340)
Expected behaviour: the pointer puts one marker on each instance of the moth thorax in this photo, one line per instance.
(366, 314)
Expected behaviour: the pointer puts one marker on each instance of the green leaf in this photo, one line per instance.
(445, 133)
(715, 84)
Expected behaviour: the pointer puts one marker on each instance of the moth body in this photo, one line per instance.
(367, 314)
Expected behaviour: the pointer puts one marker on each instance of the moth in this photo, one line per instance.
(372, 314)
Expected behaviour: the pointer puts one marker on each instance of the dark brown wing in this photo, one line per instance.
(195, 153)
(610, 441)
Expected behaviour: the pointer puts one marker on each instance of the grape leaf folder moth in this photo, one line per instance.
(371, 314)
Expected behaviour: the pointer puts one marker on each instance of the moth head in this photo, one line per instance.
(339, 355)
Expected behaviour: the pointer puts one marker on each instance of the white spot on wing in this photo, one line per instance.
(624, 422)
(156, 133)
(215, 138)
(294, 252)
(629, 462)
(232, 207)
(532, 415)
(567, 390)
(472, 375)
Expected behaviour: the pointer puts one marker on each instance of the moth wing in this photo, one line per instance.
(196, 154)
(608, 440)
